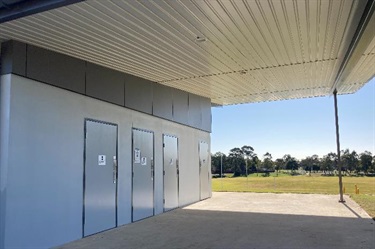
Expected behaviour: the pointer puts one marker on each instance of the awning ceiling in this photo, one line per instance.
(248, 51)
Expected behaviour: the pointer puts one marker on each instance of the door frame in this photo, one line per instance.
(84, 170)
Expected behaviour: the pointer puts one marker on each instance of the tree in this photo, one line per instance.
(248, 152)
(237, 156)
(267, 164)
(290, 163)
(253, 163)
(315, 162)
(366, 161)
(329, 162)
(306, 164)
(237, 161)
(350, 161)
(216, 162)
(279, 164)
(311, 163)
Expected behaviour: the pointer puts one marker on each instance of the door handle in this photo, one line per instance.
(114, 169)
(152, 168)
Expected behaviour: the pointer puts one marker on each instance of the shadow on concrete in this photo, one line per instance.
(351, 210)
(187, 228)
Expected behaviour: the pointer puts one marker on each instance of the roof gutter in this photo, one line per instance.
(11, 10)
(363, 35)
(8, 3)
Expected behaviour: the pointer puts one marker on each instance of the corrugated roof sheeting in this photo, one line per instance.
(362, 72)
(255, 50)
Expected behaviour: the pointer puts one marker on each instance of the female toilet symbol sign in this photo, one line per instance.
(144, 161)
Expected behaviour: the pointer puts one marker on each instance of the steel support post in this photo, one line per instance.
(338, 146)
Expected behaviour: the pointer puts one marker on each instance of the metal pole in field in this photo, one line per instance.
(247, 179)
(338, 146)
(221, 170)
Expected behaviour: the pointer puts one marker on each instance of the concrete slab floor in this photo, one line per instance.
(247, 220)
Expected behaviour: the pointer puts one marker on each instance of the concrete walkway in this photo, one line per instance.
(247, 220)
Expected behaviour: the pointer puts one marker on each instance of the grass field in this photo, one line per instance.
(315, 184)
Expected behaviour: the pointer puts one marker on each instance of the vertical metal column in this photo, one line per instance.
(338, 146)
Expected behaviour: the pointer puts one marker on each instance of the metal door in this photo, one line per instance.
(203, 170)
(170, 164)
(100, 177)
(143, 174)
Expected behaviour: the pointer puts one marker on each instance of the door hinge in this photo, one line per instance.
(164, 172)
(163, 145)
(133, 174)
(163, 201)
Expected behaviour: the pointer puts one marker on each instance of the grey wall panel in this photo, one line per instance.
(13, 58)
(48, 130)
(105, 84)
(56, 69)
(180, 106)
(195, 113)
(158, 169)
(5, 96)
(45, 185)
(163, 102)
(206, 114)
(138, 94)
(45, 131)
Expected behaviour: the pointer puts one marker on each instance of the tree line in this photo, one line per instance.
(242, 161)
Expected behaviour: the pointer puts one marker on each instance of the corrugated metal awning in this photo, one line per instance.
(253, 50)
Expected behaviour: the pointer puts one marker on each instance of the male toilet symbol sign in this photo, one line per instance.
(102, 160)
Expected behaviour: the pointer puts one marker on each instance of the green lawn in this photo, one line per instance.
(315, 184)
(367, 202)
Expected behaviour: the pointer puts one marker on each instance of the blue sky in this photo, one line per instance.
(301, 127)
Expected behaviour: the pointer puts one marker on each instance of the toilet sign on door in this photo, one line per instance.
(102, 160)
(144, 161)
(137, 155)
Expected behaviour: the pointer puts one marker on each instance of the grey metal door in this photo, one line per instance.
(100, 177)
(170, 164)
(203, 170)
(143, 174)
